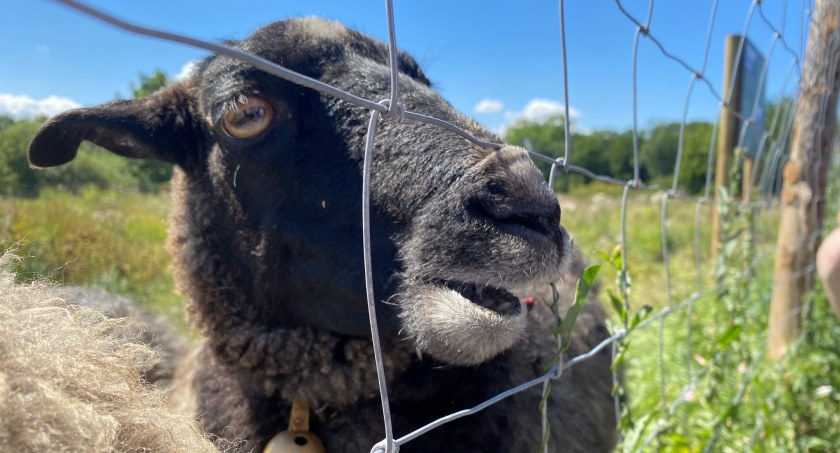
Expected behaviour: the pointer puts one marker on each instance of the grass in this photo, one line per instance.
(98, 238)
(115, 240)
(699, 379)
(717, 389)
(696, 379)
(594, 221)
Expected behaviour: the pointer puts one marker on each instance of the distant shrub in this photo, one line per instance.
(93, 167)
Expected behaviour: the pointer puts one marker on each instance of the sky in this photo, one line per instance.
(494, 60)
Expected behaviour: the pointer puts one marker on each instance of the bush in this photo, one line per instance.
(92, 167)
(15, 175)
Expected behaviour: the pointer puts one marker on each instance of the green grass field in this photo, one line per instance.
(594, 220)
(713, 389)
(107, 239)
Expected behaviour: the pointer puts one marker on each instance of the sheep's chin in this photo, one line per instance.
(452, 328)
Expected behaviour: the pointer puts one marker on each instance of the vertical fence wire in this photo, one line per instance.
(388, 446)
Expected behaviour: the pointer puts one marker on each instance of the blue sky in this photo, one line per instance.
(504, 56)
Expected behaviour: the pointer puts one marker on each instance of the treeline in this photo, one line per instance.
(605, 152)
(609, 152)
(93, 166)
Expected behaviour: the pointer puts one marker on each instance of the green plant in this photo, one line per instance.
(95, 237)
(711, 387)
(562, 332)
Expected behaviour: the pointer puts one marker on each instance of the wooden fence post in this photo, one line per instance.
(727, 132)
(804, 177)
(747, 182)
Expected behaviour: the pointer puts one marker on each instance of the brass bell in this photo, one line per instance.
(295, 442)
(297, 439)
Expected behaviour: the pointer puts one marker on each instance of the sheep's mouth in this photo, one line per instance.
(498, 300)
(461, 323)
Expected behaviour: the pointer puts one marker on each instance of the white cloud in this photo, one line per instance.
(539, 110)
(186, 70)
(43, 51)
(489, 106)
(542, 109)
(21, 106)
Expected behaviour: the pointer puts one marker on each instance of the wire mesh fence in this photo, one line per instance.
(708, 353)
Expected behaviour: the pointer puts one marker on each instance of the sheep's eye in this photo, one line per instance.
(249, 118)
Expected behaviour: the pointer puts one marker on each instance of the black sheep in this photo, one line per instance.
(266, 234)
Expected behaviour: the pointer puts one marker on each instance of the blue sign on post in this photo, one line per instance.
(751, 102)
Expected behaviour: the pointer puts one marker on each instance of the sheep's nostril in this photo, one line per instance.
(521, 218)
(535, 222)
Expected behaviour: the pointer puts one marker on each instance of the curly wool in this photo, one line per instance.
(69, 383)
(289, 362)
(137, 325)
(303, 362)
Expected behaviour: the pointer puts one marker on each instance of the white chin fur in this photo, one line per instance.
(452, 329)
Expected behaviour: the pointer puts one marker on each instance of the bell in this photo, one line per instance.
(295, 442)
(296, 439)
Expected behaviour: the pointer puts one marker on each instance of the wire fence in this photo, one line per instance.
(765, 175)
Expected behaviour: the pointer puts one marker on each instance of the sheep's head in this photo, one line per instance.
(267, 196)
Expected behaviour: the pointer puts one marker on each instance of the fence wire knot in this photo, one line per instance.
(381, 448)
(557, 371)
(395, 112)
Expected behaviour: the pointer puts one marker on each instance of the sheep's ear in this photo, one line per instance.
(162, 127)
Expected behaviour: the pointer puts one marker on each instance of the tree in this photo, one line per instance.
(658, 153)
(93, 166)
(546, 137)
(148, 84)
(780, 110)
(695, 161)
(6, 121)
(618, 156)
(150, 174)
(778, 123)
(603, 152)
(610, 153)
(15, 175)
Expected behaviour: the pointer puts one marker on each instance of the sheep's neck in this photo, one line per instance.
(322, 367)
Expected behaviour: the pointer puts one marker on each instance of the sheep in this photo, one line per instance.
(137, 324)
(266, 238)
(71, 379)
